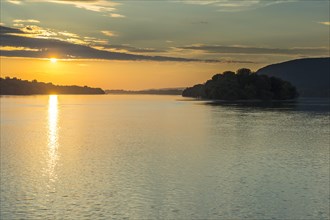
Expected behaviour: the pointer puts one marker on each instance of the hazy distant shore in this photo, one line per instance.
(170, 91)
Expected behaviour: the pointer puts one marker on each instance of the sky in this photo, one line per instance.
(121, 44)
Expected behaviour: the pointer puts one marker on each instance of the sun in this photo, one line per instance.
(53, 60)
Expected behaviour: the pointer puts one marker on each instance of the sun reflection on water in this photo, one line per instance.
(52, 136)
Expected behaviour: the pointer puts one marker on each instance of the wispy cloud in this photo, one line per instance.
(220, 49)
(113, 15)
(234, 5)
(324, 22)
(95, 41)
(130, 49)
(26, 21)
(68, 34)
(109, 33)
(16, 2)
(92, 5)
(36, 31)
(18, 25)
(105, 6)
(10, 48)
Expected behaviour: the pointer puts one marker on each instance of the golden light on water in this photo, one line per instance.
(52, 136)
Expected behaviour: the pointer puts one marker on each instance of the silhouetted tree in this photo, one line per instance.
(195, 91)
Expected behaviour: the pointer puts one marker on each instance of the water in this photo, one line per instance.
(162, 157)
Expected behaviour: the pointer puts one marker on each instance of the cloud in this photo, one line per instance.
(45, 47)
(91, 5)
(36, 31)
(219, 49)
(39, 32)
(234, 6)
(127, 48)
(9, 48)
(16, 2)
(26, 21)
(117, 15)
(95, 41)
(68, 34)
(324, 22)
(18, 25)
(109, 33)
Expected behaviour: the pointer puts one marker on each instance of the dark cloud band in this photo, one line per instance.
(65, 50)
(256, 50)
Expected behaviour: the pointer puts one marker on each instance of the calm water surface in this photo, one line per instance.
(162, 157)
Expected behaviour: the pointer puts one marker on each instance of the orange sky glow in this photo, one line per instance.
(132, 75)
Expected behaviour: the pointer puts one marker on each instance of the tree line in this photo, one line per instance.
(15, 86)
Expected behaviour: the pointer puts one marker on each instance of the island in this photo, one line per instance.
(242, 85)
(15, 86)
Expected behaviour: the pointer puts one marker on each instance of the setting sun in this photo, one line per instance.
(53, 60)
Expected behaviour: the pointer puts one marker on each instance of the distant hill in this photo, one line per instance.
(310, 76)
(14, 86)
(169, 91)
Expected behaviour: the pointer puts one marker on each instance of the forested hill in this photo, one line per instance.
(14, 86)
(310, 76)
(242, 85)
